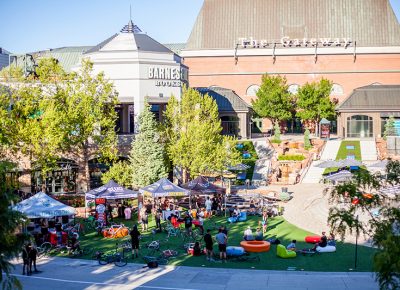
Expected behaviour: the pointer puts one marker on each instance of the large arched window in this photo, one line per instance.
(252, 90)
(360, 126)
(337, 90)
(293, 88)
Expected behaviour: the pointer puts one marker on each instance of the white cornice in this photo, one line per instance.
(290, 51)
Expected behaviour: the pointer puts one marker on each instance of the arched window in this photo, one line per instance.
(337, 90)
(360, 126)
(252, 90)
(293, 88)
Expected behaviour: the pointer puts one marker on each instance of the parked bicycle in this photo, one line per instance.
(118, 258)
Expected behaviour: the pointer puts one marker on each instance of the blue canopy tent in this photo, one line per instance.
(43, 206)
(163, 187)
(111, 190)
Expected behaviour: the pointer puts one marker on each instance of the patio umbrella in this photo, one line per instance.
(395, 189)
(163, 187)
(328, 164)
(380, 164)
(340, 176)
(349, 162)
(239, 167)
(110, 190)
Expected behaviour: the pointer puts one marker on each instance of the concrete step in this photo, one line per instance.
(331, 149)
(314, 174)
(368, 150)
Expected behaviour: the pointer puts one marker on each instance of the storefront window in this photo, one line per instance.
(359, 126)
(230, 125)
(96, 170)
(60, 180)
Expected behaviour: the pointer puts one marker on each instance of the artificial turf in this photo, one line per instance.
(340, 261)
(343, 152)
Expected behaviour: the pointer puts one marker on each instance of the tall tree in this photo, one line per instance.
(273, 99)
(361, 196)
(390, 129)
(313, 102)
(193, 128)
(148, 156)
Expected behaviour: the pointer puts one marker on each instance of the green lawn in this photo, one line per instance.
(343, 152)
(249, 147)
(342, 260)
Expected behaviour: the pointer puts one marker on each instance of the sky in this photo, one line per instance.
(31, 25)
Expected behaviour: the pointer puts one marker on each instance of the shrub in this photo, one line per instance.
(276, 141)
(291, 157)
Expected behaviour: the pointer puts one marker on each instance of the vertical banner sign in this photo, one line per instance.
(325, 131)
(101, 215)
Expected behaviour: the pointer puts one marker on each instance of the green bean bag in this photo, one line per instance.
(283, 253)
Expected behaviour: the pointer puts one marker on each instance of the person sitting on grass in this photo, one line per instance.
(236, 212)
(197, 249)
(259, 235)
(292, 246)
(248, 234)
(75, 244)
(331, 240)
(323, 243)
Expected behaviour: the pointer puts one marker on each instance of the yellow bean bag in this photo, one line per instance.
(283, 253)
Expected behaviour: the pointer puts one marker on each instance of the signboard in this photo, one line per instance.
(325, 131)
(286, 41)
(168, 76)
(101, 215)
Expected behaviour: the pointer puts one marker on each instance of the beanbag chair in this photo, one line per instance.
(282, 252)
(232, 219)
(327, 249)
(234, 251)
(313, 239)
(243, 216)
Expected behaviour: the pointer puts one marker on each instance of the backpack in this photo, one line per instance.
(152, 264)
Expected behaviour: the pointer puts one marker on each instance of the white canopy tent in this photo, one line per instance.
(43, 206)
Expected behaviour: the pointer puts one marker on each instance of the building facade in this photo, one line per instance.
(353, 43)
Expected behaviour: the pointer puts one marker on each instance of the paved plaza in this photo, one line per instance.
(62, 273)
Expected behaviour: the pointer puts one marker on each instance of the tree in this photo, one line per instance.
(148, 156)
(362, 195)
(10, 243)
(84, 108)
(120, 172)
(307, 143)
(277, 133)
(390, 129)
(313, 102)
(192, 129)
(273, 99)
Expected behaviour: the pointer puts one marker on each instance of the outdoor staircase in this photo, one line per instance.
(330, 151)
(314, 173)
(368, 150)
(262, 165)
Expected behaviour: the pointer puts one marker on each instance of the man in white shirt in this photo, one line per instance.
(208, 205)
(248, 234)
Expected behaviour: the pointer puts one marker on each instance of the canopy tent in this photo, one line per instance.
(329, 164)
(343, 175)
(111, 190)
(43, 206)
(163, 187)
(201, 184)
(239, 167)
(380, 164)
(350, 163)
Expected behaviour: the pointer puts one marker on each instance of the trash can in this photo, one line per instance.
(284, 190)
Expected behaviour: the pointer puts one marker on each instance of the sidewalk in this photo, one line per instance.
(71, 274)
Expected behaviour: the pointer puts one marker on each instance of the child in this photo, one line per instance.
(292, 246)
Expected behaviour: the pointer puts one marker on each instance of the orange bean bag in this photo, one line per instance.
(121, 233)
(313, 239)
(255, 246)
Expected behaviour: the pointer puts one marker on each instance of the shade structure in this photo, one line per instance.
(380, 164)
(201, 184)
(394, 190)
(329, 164)
(340, 176)
(43, 206)
(349, 162)
(163, 187)
(111, 190)
(239, 167)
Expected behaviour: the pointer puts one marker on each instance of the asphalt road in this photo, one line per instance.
(68, 274)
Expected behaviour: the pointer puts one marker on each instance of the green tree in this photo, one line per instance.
(277, 133)
(273, 99)
(192, 129)
(313, 102)
(390, 129)
(120, 172)
(10, 243)
(147, 157)
(307, 143)
(362, 195)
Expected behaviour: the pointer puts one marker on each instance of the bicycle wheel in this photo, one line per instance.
(45, 248)
(102, 259)
(120, 260)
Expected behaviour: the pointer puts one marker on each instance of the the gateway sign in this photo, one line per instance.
(286, 41)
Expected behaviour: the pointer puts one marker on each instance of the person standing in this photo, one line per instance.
(209, 246)
(264, 221)
(222, 240)
(158, 214)
(26, 259)
(145, 218)
(188, 223)
(208, 205)
(135, 235)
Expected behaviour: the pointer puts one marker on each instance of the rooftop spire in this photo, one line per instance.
(131, 27)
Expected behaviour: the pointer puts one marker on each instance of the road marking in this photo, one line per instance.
(100, 283)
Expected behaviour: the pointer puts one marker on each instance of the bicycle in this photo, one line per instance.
(117, 258)
(44, 250)
(161, 259)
